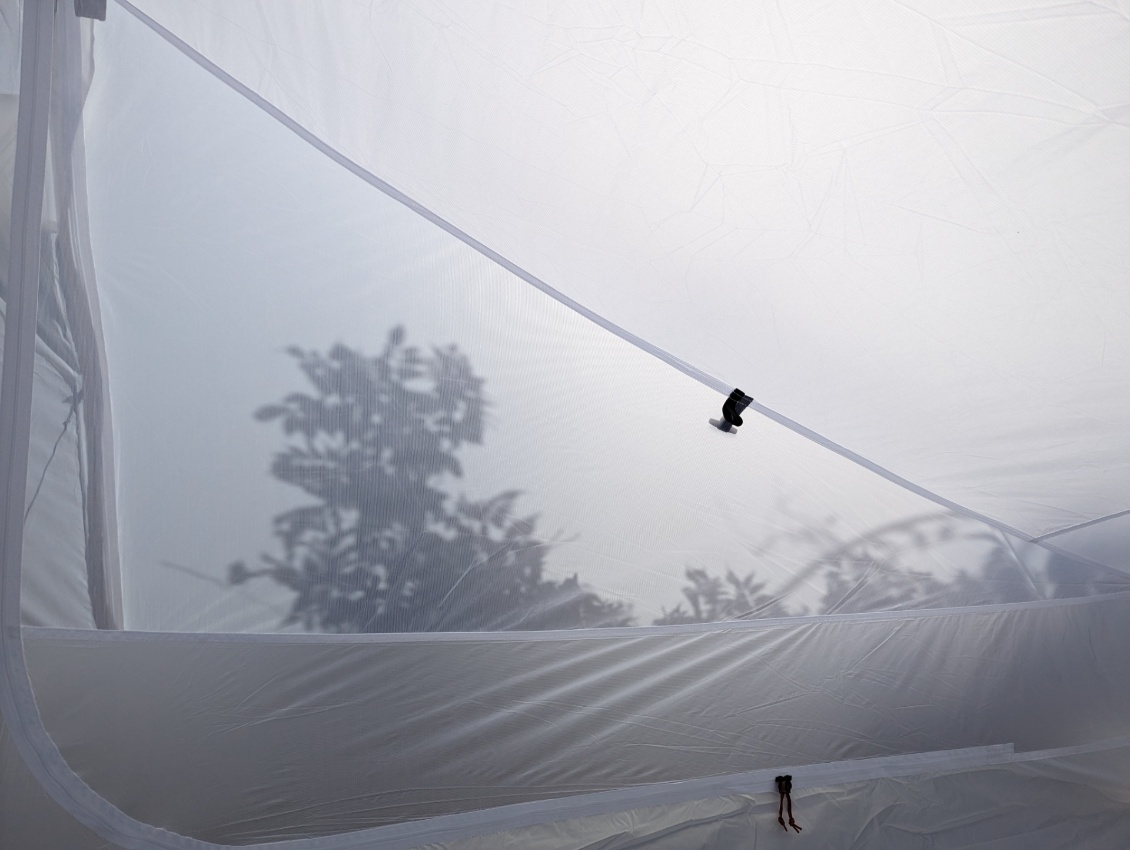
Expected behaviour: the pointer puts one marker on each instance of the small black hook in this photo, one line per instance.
(732, 411)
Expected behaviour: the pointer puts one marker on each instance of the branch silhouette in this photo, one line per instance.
(887, 569)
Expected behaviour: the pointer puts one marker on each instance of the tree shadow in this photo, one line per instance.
(385, 546)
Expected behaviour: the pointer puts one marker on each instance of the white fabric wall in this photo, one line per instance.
(221, 238)
(250, 738)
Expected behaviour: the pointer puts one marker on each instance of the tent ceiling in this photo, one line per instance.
(901, 225)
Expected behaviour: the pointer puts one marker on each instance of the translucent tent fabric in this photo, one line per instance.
(253, 736)
(508, 261)
(610, 447)
(899, 224)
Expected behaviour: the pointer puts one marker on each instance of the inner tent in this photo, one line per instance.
(548, 425)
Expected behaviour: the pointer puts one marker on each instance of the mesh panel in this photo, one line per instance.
(331, 415)
(898, 224)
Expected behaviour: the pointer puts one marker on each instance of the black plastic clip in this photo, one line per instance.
(732, 411)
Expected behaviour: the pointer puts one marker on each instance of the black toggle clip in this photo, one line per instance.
(785, 789)
(732, 411)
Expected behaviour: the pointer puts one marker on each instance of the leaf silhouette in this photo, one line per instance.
(387, 546)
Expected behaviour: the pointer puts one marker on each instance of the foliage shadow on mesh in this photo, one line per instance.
(386, 546)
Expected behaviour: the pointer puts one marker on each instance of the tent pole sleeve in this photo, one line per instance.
(17, 701)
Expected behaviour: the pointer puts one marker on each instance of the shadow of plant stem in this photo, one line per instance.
(385, 548)
(889, 568)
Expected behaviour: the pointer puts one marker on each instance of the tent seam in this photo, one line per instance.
(1081, 525)
(616, 633)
